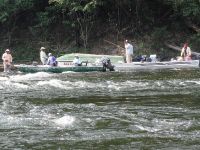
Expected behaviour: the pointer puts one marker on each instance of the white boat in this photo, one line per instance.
(156, 65)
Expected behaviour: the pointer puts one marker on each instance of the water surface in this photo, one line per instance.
(155, 109)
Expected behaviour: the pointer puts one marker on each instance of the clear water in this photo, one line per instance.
(113, 110)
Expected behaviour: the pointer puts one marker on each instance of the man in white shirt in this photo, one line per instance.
(77, 61)
(43, 56)
(129, 52)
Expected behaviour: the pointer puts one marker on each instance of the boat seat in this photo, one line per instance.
(84, 63)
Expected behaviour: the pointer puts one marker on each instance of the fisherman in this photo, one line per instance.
(7, 60)
(77, 61)
(43, 56)
(51, 60)
(129, 52)
(107, 63)
(186, 52)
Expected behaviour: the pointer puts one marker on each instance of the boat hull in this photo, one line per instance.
(118, 67)
(34, 69)
(156, 65)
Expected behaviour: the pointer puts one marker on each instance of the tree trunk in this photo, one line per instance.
(9, 38)
(77, 36)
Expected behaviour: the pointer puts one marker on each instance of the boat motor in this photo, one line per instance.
(107, 64)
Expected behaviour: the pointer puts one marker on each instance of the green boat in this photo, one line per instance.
(90, 58)
(58, 69)
(65, 63)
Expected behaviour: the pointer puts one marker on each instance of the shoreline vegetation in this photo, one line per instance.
(98, 27)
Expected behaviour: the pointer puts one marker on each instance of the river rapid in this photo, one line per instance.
(154, 109)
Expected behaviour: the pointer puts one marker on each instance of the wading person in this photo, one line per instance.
(7, 60)
(128, 51)
(43, 56)
(186, 52)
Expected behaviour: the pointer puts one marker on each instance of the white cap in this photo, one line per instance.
(7, 50)
(42, 48)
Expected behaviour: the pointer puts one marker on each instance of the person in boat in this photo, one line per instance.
(77, 61)
(107, 63)
(43, 56)
(7, 60)
(128, 51)
(51, 60)
(143, 58)
(186, 52)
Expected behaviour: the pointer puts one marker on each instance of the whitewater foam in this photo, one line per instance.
(3, 78)
(56, 83)
(30, 76)
(64, 121)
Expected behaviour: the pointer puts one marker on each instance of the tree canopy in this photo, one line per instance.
(82, 21)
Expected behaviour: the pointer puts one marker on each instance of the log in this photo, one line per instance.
(179, 49)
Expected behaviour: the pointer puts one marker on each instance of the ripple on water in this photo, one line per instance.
(36, 109)
(29, 77)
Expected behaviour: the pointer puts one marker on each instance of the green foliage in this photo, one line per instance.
(84, 21)
(26, 52)
(81, 15)
(195, 40)
(3, 17)
(186, 8)
(50, 17)
(78, 50)
(8, 8)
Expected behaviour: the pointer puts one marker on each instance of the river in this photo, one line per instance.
(155, 109)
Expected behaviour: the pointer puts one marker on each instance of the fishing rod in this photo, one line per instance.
(113, 44)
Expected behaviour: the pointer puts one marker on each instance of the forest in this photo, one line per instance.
(98, 26)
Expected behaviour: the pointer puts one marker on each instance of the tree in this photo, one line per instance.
(11, 13)
(81, 15)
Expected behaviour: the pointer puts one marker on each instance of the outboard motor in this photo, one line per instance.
(107, 64)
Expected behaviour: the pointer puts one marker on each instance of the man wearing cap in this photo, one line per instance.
(7, 60)
(51, 60)
(77, 61)
(43, 56)
(129, 52)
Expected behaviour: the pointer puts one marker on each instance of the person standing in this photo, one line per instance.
(43, 56)
(7, 60)
(129, 52)
(186, 52)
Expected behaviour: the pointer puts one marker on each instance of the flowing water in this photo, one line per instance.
(158, 109)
